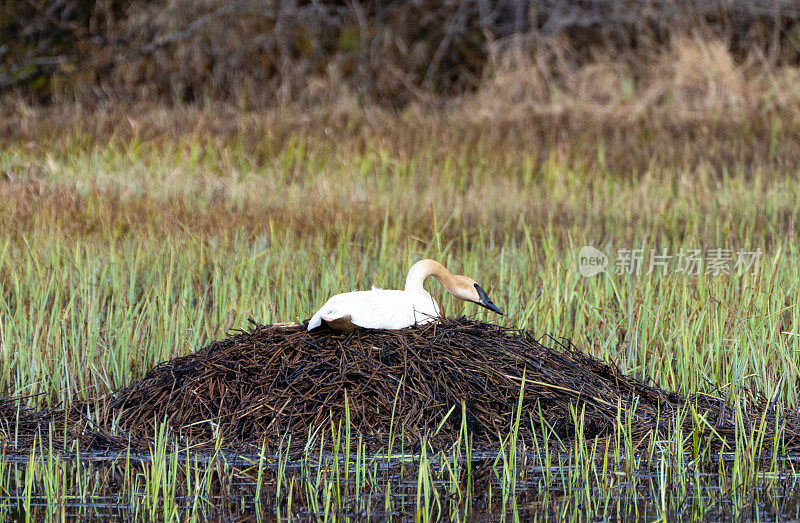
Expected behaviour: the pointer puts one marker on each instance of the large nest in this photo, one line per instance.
(272, 381)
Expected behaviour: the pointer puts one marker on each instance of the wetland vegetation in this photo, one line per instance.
(136, 230)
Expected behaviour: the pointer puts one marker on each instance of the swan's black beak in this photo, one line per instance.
(485, 301)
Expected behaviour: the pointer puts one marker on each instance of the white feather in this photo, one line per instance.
(389, 309)
(378, 309)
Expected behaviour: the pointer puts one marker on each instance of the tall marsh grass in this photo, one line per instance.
(584, 477)
(132, 234)
(122, 248)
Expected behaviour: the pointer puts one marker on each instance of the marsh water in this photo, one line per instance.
(183, 485)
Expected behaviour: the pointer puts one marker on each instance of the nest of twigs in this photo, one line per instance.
(428, 382)
(438, 382)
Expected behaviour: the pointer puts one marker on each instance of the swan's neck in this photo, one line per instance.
(421, 270)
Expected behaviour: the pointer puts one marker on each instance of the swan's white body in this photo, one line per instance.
(395, 309)
(377, 309)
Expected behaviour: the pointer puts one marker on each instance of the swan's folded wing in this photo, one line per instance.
(377, 309)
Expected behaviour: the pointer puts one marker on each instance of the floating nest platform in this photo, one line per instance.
(425, 382)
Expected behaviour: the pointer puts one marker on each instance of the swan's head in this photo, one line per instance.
(467, 289)
(462, 287)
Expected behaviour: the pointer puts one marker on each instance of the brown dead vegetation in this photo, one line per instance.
(431, 382)
(256, 53)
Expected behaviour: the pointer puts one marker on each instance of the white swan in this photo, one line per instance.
(393, 309)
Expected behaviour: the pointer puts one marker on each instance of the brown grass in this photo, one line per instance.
(629, 122)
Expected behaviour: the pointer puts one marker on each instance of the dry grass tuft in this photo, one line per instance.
(693, 79)
(700, 75)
